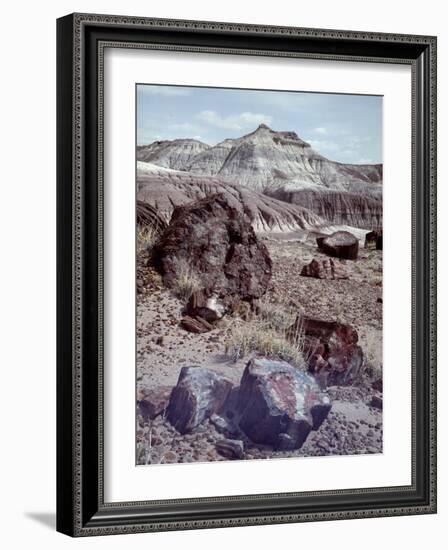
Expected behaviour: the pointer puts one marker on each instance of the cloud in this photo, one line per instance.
(242, 121)
(167, 91)
(323, 145)
(160, 131)
(321, 130)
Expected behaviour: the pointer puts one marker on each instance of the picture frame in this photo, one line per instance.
(81, 506)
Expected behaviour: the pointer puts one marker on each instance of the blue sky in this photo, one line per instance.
(345, 128)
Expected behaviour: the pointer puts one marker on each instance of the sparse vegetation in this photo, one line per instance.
(371, 343)
(187, 281)
(267, 331)
(146, 238)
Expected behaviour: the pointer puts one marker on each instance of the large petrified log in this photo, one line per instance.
(216, 241)
(279, 405)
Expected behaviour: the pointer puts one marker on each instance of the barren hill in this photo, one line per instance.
(165, 188)
(283, 166)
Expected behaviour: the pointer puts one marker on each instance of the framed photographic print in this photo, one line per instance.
(246, 274)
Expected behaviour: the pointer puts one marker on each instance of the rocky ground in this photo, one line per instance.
(353, 425)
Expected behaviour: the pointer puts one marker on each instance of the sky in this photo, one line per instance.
(344, 128)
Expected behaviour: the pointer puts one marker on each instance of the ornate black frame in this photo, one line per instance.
(81, 39)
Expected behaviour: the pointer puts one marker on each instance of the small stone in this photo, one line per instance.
(170, 457)
(223, 425)
(230, 448)
(324, 269)
(153, 402)
(322, 444)
(377, 402)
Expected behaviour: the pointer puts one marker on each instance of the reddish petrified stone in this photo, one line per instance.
(279, 405)
(332, 350)
(154, 401)
(324, 269)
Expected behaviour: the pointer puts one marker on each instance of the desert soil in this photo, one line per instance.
(163, 348)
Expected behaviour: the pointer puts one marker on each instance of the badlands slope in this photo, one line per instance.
(283, 166)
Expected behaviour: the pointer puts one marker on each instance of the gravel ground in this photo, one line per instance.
(163, 348)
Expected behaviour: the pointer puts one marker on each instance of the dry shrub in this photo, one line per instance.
(267, 332)
(371, 341)
(187, 280)
(146, 238)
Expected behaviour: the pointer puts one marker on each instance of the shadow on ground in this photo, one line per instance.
(48, 519)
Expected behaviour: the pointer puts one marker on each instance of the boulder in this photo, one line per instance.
(152, 402)
(205, 305)
(198, 394)
(217, 241)
(279, 405)
(340, 244)
(324, 269)
(334, 355)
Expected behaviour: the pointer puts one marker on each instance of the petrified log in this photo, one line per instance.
(332, 350)
(198, 394)
(279, 405)
(217, 241)
(340, 244)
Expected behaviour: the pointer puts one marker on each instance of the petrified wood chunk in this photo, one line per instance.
(332, 350)
(154, 401)
(340, 244)
(324, 269)
(217, 241)
(206, 305)
(198, 394)
(278, 402)
(198, 325)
